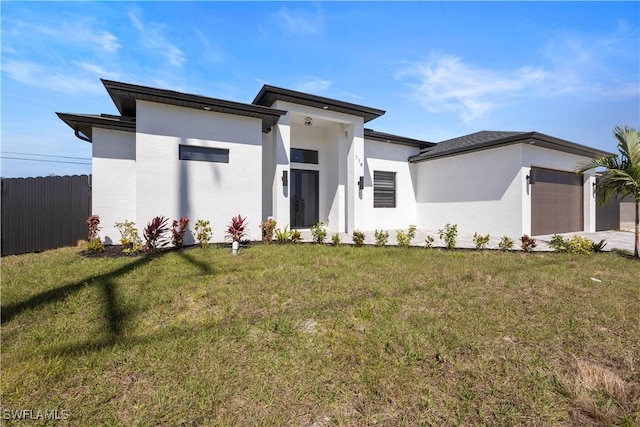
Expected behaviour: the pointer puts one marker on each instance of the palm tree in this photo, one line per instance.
(622, 175)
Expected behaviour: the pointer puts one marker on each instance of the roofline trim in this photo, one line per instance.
(532, 138)
(79, 121)
(269, 115)
(280, 93)
(395, 139)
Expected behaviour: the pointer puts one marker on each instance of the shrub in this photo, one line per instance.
(481, 241)
(319, 232)
(282, 236)
(237, 229)
(404, 239)
(178, 230)
(428, 242)
(335, 238)
(203, 233)
(296, 236)
(579, 245)
(358, 238)
(448, 234)
(268, 227)
(558, 243)
(575, 245)
(598, 247)
(506, 243)
(382, 237)
(95, 245)
(154, 234)
(129, 238)
(93, 223)
(527, 243)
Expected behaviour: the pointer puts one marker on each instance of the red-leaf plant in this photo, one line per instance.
(178, 230)
(237, 229)
(93, 222)
(154, 234)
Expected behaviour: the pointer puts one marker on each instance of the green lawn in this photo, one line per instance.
(317, 335)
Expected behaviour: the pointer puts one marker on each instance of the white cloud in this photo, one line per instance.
(152, 38)
(298, 22)
(79, 33)
(445, 83)
(313, 84)
(46, 77)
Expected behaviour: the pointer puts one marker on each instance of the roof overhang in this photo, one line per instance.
(395, 139)
(125, 95)
(531, 138)
(268, 95)
(83, 124)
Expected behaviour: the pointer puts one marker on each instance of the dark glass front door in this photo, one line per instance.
(304, 198)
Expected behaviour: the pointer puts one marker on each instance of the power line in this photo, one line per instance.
(45, 155)
(42, 160)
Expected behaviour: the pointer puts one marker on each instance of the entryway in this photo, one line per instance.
(304, 198)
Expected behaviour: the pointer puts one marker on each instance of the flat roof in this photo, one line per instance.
(268, 95)
(124, 96)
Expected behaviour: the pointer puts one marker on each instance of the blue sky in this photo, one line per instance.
(440, 70)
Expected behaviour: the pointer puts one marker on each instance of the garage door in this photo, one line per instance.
(556, 202)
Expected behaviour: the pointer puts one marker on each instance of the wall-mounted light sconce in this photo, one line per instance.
(361, 183)
(531, 179)
(308, 121)
(285, 178)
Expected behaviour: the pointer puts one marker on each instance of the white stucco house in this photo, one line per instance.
(301, 159)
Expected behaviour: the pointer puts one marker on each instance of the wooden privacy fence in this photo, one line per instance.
(44, 213)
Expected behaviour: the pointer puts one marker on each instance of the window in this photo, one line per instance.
(384, 189)
(204, 154)
(299, 155)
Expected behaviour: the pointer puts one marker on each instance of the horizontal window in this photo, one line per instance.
(204, 154)
(299, 155)
(384, 189)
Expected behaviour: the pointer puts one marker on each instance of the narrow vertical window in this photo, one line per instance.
(384, 189)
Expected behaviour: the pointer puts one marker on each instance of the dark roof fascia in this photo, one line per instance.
(268, 95)
(395, 139)
(124, 96)
(532, 138)
(85, 123)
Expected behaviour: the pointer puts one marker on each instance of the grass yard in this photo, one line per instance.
(318, 335)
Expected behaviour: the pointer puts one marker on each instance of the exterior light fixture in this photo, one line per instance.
(308, 121)
(206, 108)
(531, 179)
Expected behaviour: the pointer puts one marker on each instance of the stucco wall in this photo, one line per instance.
(202, 190)
(487, 191)
(113, 180)
(480, 192)
(380, 156)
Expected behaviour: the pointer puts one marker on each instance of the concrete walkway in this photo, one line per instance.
(614, 239)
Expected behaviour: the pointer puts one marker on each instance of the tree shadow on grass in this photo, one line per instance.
(106, 281)
(113, 312)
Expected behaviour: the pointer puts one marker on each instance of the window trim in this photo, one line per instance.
(203, 150)
(386, 192)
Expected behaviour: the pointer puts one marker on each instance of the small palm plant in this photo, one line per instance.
(622, 175)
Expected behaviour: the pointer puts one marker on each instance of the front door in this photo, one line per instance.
(304, 198)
